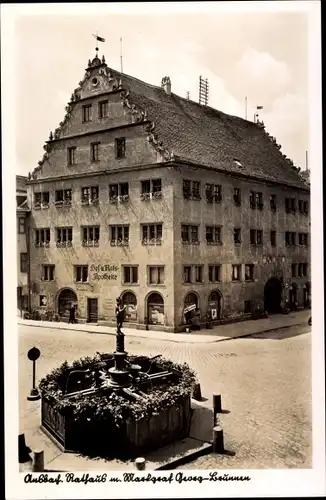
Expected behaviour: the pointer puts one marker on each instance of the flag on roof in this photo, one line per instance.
(260, 107)
(99, 38)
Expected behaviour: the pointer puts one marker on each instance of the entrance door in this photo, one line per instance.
(92, 311)
(65, 299)
(273, 295)
(293, 297)
(155, 309)
(214, 305)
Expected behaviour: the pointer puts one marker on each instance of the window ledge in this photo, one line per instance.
(160, 285)
(130, 284)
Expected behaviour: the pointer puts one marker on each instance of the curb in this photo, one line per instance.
(188, 457)
(214, 340)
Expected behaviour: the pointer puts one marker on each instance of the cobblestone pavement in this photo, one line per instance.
(264, 380)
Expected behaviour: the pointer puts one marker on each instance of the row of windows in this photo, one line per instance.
(120, 151)
(213, 194)
(102, 110)
(151, 189)
(156, 274)
(118, 192)
(153, 234)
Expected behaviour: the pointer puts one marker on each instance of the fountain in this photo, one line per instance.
(117, 405)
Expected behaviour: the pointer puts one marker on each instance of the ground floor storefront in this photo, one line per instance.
(175, 309)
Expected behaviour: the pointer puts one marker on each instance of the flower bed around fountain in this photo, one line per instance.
(154, 411)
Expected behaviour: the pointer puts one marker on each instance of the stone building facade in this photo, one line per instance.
(171, 205)
(22, 218)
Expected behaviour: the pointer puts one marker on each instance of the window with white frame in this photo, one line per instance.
(156, 275)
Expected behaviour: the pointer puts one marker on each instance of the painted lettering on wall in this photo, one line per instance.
(104, 272)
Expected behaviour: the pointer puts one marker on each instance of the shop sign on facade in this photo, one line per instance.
(104, 272)
(189, 308)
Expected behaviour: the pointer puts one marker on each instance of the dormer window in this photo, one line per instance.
(120, 147)
(238, 163)
(87, 113)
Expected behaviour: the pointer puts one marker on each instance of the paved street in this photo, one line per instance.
(264, 381)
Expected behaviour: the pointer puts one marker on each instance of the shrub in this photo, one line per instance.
(112, 405)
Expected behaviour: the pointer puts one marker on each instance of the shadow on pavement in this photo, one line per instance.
(281, 334)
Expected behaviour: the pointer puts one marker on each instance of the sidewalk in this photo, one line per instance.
(217, 334)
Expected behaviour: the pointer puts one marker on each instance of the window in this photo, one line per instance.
(42, 300)
(72, 156)
(256, 200)
(213, 193)
(130, 275)
(103, 109)
(290, 238)
(248, 306)
(64, 236)
(290, 205)
(300, 270)
(151, 234)
(119, 235)
(256, 236)
(81, 274)
(87, 113)
(90, 195)
(189, 234)
(303, 239)
(63, 197)
(213, 235)
(156, 275)
(23, 263)
(273, 238)
(198, 274)
(236, 272)
(305, 269)
(41, 200)
(151, 189)
(120, 147)
(249, 272)
(237, 236)
(95, 147)
(48, 272)
(119, 192)
(294, 270)
(303, 207)
(237, 196)
(90, 236)
(187, 274)
(272, 201)
(21, 225)
(42, 237)
(214, 273)
(191, 190)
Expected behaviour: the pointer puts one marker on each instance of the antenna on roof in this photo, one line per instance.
(203, 91)
(188, 95)
(246, 107)
(306, 161)
(121, 55)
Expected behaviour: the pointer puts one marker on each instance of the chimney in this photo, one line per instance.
(166, 84)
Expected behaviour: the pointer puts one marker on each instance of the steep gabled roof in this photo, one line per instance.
(208, 137)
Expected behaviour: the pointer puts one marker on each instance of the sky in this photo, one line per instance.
(261, 55)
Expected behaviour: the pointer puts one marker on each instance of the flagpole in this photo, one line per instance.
(246, 105)
(121, 55)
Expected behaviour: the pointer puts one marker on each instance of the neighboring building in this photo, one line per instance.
(22, 212)
(167, 203)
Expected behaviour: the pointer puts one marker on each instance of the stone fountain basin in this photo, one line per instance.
(128, 438)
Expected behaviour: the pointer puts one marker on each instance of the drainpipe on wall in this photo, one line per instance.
(28, 248)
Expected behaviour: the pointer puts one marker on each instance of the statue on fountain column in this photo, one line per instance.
(119, 313)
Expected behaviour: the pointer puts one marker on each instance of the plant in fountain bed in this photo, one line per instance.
(118, 423)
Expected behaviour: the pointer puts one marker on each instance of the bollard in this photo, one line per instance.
(38, 461)
(140, 463)
(217, 403)
(197, 393)
(218, 440)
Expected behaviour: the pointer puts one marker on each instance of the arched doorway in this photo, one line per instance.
(273, 295)
(155, 309)
(293, 296)
(65, 299)
(306, 295)
(190, 306)
(129, 300)
(214, 305)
